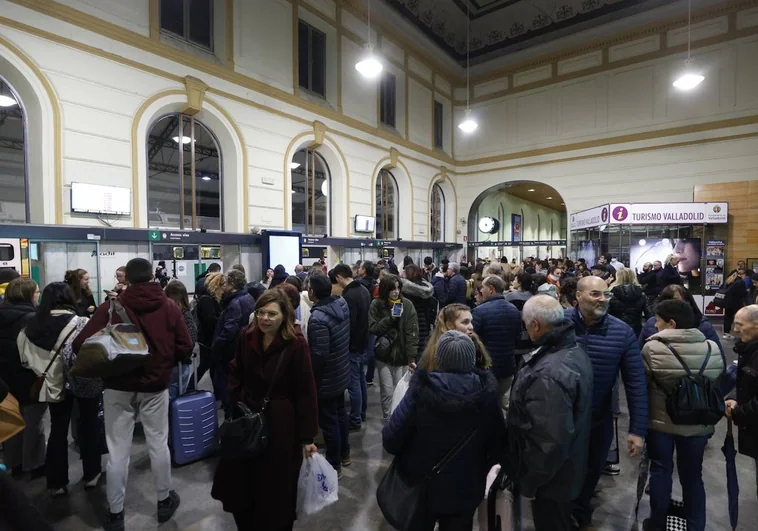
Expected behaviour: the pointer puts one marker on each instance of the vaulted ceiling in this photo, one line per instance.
(499, 27)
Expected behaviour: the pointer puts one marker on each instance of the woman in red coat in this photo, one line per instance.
(262, 492)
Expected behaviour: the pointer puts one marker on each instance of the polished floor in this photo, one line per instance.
(357, 509)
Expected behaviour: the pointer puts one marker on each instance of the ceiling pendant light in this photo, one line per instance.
(468, 125)
(690, 78)
(370, 66)
(185, 139)
(6, 97)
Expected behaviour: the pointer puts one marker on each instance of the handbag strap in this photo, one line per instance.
(453, 452)
(59, 345)
(120, 311)
(274, 378)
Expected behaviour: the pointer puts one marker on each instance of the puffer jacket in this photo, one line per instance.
(13, 319)
(649, 282)
(456, 290)
(403, 332)
(550, 417)
(422, 297)
(628, 304)
(358, 299)
(705, 327)
(368, 283)
(746, 413)
(438, 410)
(329, 341)
(664, 372)
(235, 315)
(612, 346)
(497, 322)
(440, 284)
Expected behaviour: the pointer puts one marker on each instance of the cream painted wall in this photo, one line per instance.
(133, 15)
(534, 216)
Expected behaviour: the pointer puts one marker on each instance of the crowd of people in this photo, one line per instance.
(516, 365)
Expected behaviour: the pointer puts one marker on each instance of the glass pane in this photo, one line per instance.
(207, 179)
(305, 188)
(201, 22)
(303, 61)
(163, 191)
(187, 181)
(12, 160)
(172, 16)
(386, 206)
(438, 127)
(438, 214)
(318, 62)
(322, 191)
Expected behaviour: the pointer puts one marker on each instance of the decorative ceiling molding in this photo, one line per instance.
(195, 95)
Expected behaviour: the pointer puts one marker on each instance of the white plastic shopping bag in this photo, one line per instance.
(400, 389)
(317, 485)
(507, 508)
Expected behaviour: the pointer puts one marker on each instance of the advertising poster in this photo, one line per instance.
(515, 227)
(688, 250)
(714, 274)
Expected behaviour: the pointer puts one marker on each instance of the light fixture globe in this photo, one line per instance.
(468, 125)
(369, 67)
(688, 81)
(185, 139)
(325, 188)
(7, 101)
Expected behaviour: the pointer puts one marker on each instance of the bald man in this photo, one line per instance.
(612, 347)
(551, 415)
(744, 410)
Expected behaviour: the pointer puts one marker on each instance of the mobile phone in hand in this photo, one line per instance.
(397, 309)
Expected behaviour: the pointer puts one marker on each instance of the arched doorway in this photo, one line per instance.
(14, 204)
(506, 218)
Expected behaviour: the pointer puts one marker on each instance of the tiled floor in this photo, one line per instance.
(357, 509)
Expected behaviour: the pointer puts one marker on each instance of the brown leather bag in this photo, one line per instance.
(34, 391)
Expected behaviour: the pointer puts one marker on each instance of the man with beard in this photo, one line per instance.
(612, 347)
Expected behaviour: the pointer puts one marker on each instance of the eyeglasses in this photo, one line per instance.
(596, 294)
(269, 315)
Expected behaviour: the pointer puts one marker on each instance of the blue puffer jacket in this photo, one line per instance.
(235, 315)
(456, 290)
(438, 410)
(705, 327)
(612, 346)
(329, 341)
(497, 322)
(440, 284)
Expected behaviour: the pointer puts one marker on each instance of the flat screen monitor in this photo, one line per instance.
(100, 199)
(281, 248)
(365, 223)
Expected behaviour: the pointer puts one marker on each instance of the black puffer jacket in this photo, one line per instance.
(628, 304)
(667, 276)
(369, 283)
(329, 341)
(422, 297)
(13, 318)
(358, 300)
(549, 418)
(746, 413)
(648, 281)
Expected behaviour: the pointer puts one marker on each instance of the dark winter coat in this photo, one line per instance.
(734, 298)
(422, 297)
(13, 318)
(497, 322)
(628, 304)
(440, 284)
(746, 413)
(358, 301)
(84, 303)
(208, 311)
(612, 346)
(456, 290)
(267, 487)
(329, 342)
(402, 331)
(368, 283)
(550, 418)
(162, 323)
(667, 276)
(438, 410)
(705, 327)
(649, 282)
(200, 288)
(280, 275)
(235, 315)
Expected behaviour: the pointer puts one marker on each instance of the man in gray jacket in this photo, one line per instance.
(550, 416)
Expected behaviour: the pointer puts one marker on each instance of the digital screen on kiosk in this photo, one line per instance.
(688, 250)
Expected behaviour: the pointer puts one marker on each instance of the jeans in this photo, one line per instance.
(358, 390)
(332, 417)
(56, 464)
(370, 358)
(389, 376)
(689, 464)
(450, 522)
(121, 409)
(551, 515)
(27, 449)
(601, 436)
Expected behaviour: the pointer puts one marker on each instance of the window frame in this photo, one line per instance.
(310, 49)
(308, 213)
(438, 125)
(186, 24)
(442, 203)
(395, 210)
(25, 130)
(388, 100)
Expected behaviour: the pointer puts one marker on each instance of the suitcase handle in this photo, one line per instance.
(193, 372)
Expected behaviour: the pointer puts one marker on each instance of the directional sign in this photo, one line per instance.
(154, 236)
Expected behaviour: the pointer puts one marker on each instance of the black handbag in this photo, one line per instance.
(405, 505)
(245, 434)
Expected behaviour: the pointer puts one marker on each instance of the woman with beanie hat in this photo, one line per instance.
(440, 409)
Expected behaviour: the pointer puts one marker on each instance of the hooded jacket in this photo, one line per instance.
(612, 346)
(705, 327)
(280, 275)
(402, 331)
(235, 315)
(745, 414)
(421, 296)
(329, 341)
(456, 290)
(497, 322)
(628, 304)
(358, 300)
(13, 318)
(438, 410)
(162, 323)
(664, 372)
(550, 418)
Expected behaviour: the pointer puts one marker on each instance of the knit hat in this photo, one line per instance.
(8, 274)
(548, 289)
(455, 352)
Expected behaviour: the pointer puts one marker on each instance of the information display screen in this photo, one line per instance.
(365, 223)
(100, 199)
(282, 248)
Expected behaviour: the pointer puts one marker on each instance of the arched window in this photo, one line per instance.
(438, 214)
(311, 208)
(386, 206)
(184, 185)
(501, 218)
(14, 201)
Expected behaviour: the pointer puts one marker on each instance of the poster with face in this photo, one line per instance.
(714, 265)
(686, 254)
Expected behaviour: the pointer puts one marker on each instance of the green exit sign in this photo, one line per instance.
(154, 236)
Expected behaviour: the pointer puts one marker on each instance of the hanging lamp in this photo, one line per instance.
(6, 96)
(690, 78)
(369, 67)
(468, 125)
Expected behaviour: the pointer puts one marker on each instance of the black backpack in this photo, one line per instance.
(696, 399)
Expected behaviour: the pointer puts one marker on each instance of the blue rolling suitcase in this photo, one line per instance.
(193, 431)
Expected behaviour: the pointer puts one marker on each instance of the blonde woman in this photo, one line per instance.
(669, 274)
(454, 317)
(629, 300)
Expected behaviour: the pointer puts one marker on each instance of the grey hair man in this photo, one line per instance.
(456, 287)
(550, 417)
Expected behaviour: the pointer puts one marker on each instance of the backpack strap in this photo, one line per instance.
(60, 343)
(274, 378)
(681, 361)
(120, 311)
(707, 358)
